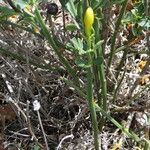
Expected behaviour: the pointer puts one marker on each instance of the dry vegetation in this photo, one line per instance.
(31, 72)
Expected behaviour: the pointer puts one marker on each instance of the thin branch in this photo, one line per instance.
(115, 34)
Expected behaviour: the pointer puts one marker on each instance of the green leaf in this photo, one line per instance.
(71, 8)
(83, 52)
(98, 44)
(21, 4)
(144, 23)
(77, 44)
(63, 2)
(36, 147)
(98, 61)
(82, 63)
(32, 2)
(71, 27)
(96, 4)
(79, 11)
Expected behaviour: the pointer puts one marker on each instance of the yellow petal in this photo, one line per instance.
(88, 20)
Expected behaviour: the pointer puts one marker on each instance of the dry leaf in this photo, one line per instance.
(142, 64)
(144, 79)
(7, 113)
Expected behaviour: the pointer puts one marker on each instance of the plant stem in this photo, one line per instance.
(123, 59)
(116, 91)
(100, 69)
(118, 125)
(92, 108)
(90, 96)
(96, 67)
(106, 11)
(79, 90)
(101, 73)
(41, 125)
(112, 49)
(103, 86)
(50, 40)
(97, 84)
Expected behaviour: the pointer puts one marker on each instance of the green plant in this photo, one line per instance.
(88, 48)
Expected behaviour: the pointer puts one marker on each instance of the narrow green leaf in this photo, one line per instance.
(71, 8)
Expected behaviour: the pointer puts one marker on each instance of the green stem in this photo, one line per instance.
(117, 124)
(90, 95)
(92, 108)
(103, 86)
(118, 73)
(97, 84)
(99, 72)
(50, 40)
(103, 83)
(138, 94)
(80, 91)
(116, 91)
(96, 67)
(112, 49)
(123, 59)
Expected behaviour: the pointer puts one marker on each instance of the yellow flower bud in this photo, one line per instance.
(88, 20)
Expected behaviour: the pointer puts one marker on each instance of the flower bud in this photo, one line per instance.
(88, 20)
